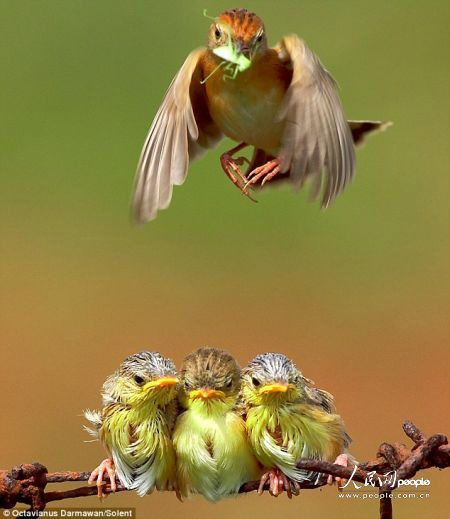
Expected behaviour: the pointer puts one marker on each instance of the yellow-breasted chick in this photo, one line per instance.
(287, 419)
(136, 423)
(214, 457)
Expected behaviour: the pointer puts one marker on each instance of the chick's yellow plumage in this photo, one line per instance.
(213, 455)
(288, 419)
(135, 424)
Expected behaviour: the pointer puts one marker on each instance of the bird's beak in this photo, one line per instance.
(205, 393)
(241, 48)
(167, 381)
(274, 388)
(162, 382)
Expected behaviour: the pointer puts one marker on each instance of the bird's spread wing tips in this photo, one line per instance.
(317, 140)
(164, 158)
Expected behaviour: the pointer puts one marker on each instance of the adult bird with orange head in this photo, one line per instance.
(281, 101)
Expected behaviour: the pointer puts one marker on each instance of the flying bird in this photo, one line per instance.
(279, 101)
(214, 457)
(135, 424)
(288, 418)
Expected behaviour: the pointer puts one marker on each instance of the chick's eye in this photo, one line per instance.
(255, 382)
(139, 380)
(217, 33)
(229, 383)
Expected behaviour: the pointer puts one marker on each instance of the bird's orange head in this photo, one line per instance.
(245, 29)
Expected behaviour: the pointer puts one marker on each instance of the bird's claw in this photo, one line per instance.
(231, 169)
(234, 173)
(266, 172)
(277, 483)
(105, 467)
(342, 460)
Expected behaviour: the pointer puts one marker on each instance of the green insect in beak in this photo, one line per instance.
(237, 62)
(233, 62)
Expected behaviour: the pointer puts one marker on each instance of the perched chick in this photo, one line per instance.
(288, 419)
(135, 424)
(213, 456)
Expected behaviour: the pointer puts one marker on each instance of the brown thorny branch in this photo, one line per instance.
(27, 483)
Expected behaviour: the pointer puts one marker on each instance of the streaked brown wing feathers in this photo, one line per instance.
(317, 141)
(181, 130)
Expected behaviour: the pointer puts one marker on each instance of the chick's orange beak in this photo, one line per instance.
(274, 388)
(167, 381)
(205, 393)
(162, 382)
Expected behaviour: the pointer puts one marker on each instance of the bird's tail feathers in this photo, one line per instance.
(360, 129)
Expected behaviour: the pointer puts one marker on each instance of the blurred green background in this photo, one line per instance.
(357, 295)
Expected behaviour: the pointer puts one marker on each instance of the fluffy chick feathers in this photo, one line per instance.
(287, 417)
(135, 424)
(213, 455)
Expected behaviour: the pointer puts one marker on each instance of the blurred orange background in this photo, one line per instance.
(358, 295)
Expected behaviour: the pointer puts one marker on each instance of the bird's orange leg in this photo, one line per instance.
(267, 172)
(342, 459)
(106, 466)
(231, 168)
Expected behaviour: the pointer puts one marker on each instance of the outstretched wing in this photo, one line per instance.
(181, 130)
(317, 140)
